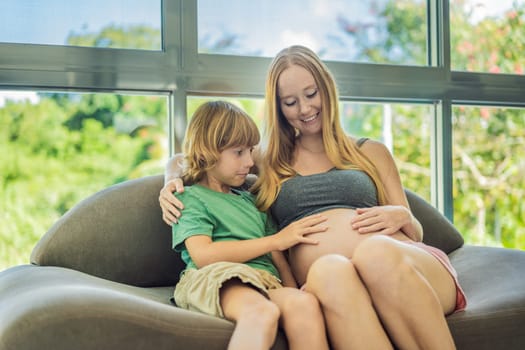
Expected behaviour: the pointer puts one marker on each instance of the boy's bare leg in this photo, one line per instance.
(301, 318)
(256, 317)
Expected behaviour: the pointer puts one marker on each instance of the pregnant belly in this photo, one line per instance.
(340, 238)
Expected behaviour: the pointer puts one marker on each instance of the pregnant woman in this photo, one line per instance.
(379, 286)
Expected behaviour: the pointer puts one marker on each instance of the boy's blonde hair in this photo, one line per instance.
(279, 136)
(214, 127)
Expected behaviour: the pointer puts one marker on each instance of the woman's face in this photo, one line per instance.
(299, 100)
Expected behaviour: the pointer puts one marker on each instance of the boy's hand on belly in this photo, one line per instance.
(385, 219)
(298, 231)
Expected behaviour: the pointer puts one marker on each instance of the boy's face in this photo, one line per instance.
(232, 167)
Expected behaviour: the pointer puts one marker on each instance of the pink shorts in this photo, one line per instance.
(461, 300)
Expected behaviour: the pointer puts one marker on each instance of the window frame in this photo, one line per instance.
(178, 70)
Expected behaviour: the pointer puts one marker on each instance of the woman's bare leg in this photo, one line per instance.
(301, 318)
(351, 320)
(411, 291)
(256, 317)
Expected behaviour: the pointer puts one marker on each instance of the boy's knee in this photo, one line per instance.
(264, 313)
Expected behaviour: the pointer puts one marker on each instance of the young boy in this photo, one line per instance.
(235, 265)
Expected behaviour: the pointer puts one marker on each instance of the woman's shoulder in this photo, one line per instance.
(359, 141)
(375, 150)
(366, 143)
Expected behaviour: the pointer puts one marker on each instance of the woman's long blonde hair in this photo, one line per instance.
(279, 136)
(214, 127)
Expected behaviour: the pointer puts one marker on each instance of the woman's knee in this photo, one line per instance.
(330, 270)
(381, 261)
(302, 310)
(301, 304)
(377, 252)
(329, 267)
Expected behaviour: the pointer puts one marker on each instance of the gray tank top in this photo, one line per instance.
(305, 195)
(301, 196)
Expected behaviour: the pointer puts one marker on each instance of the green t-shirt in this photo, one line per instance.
(223, 217)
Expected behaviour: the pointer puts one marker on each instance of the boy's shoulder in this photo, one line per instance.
(202, 193)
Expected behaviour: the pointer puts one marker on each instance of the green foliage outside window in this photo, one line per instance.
(63, 149)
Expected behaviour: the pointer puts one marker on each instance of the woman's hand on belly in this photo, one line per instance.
(385, 219)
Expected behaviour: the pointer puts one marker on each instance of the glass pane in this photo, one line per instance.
(489, 175)
(129, 24)
(404, 129)
(253, 106)
(488, 36)
(379, 31)
(59, 148)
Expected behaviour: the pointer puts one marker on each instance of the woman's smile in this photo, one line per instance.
(310, 119)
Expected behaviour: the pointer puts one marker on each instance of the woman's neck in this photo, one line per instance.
(310, 156)
(312, 145)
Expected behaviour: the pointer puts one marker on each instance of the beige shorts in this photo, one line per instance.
(198, 289)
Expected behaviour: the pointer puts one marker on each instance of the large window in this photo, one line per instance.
(97, 92)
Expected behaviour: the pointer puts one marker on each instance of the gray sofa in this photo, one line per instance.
(103, 275)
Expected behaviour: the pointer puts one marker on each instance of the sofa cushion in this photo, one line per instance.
(117, 234)
(492, 279)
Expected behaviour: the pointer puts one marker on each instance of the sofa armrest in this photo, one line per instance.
(438, 231)
(117, 234)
